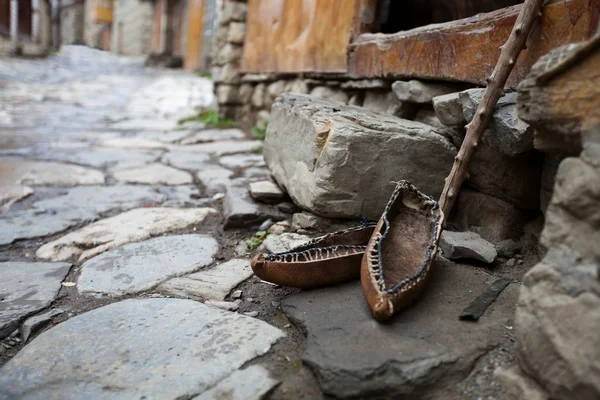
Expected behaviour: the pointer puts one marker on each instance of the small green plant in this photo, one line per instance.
(258, 150)
(210, 118)
(258, 132)
(205, 74)
(256, 240)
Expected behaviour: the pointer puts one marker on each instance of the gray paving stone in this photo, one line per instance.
(33, 324)
(214, 178)
(355, 356)
(210, 284)
(26, 288)
(151, 174)
(136, 267)
(100, 157)
(252, 383)
(242, 161)
(266, 192)
(128, 227)
(185, 160)
(20, 171)
(240, 210)
(133, 143)
(150, 348)
(224, 148)
(213, 135)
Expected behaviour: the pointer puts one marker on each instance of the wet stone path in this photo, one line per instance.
(118, 278)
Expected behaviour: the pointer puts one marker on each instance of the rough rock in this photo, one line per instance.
(265, 192)
(252, 383)
(309, 221)
(409, 356)
(227, 94)
(518, 386)
(152, 348)
(516, 179)
(335, 160)
(507, 248)
(133, 143)
(17, 171)
(426, 115)
(228, 53)
(131, 226)
(288, 207)
(297, 86)
(549, 170)
(507, 133)
(186, 160)
(214, 178)
(259, 95)
(280, 227)
(223, 305)
(242, 161)
(232, 11)
(213, 135)
(283, 242)
(34, 324)
(10, 194)
(210, 284)
(557, 321)
(365, 84)
(327, 93)
(467, 245)
(573, 216)
(420, 92)
(136, 267)
(492, 218)
(448, 109)
(151, 174)
(240, 210)
(26, 288)
(386, 102)
(237, 31)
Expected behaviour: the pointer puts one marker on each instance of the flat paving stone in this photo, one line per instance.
(25, 288)
(252, 383)
(34, 324)
(138, 348)
(266, 192)
(214, 178)
(101, 157)
(10, 194)
(213, 135)
(133, 143)
(151, 174)
(19, 171)
(224, 148)
(353, 355)
(242, 161)
(240, 210)
(128, 227)
(136, 267)
(210, 284)
(186, 160)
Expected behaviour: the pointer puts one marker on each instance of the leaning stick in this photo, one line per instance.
(509, 53)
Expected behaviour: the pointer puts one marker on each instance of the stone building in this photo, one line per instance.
(25, 27)
(131, 27)
(72, 22)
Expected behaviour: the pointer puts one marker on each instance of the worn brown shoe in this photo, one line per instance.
(396, 263)
(326, 260)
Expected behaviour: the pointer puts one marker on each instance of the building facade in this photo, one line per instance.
(26, 27)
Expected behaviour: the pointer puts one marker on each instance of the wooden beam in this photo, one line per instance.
(467, 50)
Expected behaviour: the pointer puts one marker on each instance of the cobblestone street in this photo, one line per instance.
(111, 233)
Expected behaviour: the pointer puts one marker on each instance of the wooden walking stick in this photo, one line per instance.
(509, 53)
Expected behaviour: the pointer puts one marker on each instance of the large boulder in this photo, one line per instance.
(338, 160)
(557, 324)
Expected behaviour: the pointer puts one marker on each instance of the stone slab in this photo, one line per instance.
(240, 210)
(18, 171)
(283, 242)
(131, 226)
(353, 355)
(33, 324)
(27, 287)
(136, 267)
(242, 161)
(266, 192)
(420, 92)
(210, 284)
(224, 148)
(100, 157)
(151, 174)
(467, 245)
(214, 178)
(151, 348)
(185, 160)
(133, 143)
(213, 135)
(252, 383)
(448, 109)
(10, 194)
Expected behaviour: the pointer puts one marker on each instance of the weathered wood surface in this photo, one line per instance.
(302, 35)
(195, 29)
(467, 50)
(561, 97)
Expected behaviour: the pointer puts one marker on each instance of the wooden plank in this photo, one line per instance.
(301, 35)
(195, 28)
(467, 49)
(155, 39)
(103, 11)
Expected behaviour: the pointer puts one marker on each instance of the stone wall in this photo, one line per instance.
(132, 27)
(92, 30)
(72, 22)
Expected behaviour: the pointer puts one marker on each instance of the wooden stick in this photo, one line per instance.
(509, 53)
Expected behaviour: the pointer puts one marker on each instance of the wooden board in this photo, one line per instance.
(467, 49)
(103, 11)
(302, 35)
(195, 28)
(155, 40)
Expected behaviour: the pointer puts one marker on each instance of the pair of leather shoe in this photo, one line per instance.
(392, 258)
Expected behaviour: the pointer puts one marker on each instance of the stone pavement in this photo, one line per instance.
(125, 269)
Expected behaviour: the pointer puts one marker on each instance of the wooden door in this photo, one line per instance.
(195, 29)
